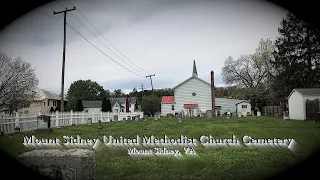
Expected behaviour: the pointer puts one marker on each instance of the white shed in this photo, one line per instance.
(297, 102)
(243, 107)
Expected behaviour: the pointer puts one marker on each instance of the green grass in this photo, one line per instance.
(211, 163)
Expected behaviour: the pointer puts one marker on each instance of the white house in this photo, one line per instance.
(118, 105)
(44, 102)
(297, 102)
(196, 97)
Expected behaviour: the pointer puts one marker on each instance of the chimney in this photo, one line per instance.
(127, 103)
(212, 94)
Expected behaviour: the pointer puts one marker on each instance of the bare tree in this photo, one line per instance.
(251, 71)
(17, 82)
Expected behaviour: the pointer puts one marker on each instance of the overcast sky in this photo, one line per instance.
(160, 37)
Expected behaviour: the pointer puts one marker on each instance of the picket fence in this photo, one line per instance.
(30, 123)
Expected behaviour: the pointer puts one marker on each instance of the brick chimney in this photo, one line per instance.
(127, 103)
(212, 94)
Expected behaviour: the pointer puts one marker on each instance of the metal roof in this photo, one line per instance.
(167, 99)
(309, 91)
(194, 77)
(98, 104)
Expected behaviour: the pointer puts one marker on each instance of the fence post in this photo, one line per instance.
(71, 116)
(82, 117)
(17, 124)
(108, 117)
(57, 118)
(101, 116)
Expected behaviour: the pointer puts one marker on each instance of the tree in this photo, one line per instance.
(84, 90)
(251, 72)
(104, 107)
(51, 110)
(17, 82)
(151, 104)
(297, 57)
(109, 109)
(118, 93)
(79, 106)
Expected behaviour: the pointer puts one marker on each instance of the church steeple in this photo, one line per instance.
(194, 72)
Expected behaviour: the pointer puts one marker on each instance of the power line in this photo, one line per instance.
(105, 37)
(61, 4)
(101, 51)
(104, 44)
(51, 16)
(91, 43)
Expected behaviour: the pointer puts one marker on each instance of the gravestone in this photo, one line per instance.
(99, 125)
(89, 121)
(73, 164)
(43, 123)
(115, 118)
(180, 117)
(258, 113)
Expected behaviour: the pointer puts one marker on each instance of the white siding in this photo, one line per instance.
(167, 109)
(296, 106)
(244, 110)
(227, 104)
(92, 110)
(33, 109)
(183, 95)
(304, 103)
(131, 107)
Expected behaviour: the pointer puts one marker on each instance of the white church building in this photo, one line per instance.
(196, 97)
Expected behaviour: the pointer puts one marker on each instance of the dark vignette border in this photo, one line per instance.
(306, 9)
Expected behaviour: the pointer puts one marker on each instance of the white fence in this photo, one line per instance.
(29, 123)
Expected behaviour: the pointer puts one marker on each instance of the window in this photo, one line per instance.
(86, 110)
(244, 106)
(172, 107)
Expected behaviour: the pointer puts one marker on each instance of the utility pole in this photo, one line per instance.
(151, 92)
(141, 94)
(64, 53)
(150, 80)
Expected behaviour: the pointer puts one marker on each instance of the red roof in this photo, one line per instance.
(187, 106)
(167, 99)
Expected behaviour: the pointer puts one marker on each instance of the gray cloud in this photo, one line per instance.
(161, 37)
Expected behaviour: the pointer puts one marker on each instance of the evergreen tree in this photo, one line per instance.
(297, 57)
(79, 106)
(104, 105)
(109, 105)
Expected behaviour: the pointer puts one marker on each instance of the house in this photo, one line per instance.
(196, 97)
(120, 104)
(167, 105)
(243, 107)
(6, 112)
(297, 102)
(44, 102)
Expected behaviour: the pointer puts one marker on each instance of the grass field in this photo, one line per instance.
(211, 163)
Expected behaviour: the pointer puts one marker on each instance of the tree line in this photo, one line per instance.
(267, 76)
